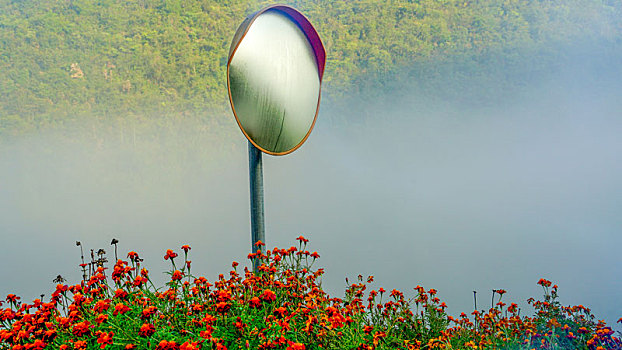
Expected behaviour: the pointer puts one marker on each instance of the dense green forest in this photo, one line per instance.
(129, 60)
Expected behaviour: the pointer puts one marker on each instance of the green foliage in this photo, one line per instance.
(65, 60)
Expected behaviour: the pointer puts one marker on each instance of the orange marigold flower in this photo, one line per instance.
(101, 318)
(170, 254)
(368, 329)
(396, 293)
(177, 275)
(254, 302)
(101, 305)
(120, 293)
(295, 346)
(133, 256)
(222, 307)
(189, 346)
(130, 346)
(104, 339)
(268, 296)
(544, 283)
(166, 345)
(206, 334)
(223, 295)
(302, 239)
(139, 280)
(280, 312)
(209, 319)
(81, 328)
(146, 330)
(185, 248)
(11, 298)
(80, 345)
(120, 308)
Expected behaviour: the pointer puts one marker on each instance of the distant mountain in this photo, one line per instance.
(63, 60)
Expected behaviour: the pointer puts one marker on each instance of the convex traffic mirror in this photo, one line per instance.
(274, 75)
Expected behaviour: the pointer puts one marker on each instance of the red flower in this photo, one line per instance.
(223, 295)
(37, 345)
(132, 256)
(268, 296)
(12, 298)
(146, 330)
(544, 283)
(302, 239)
(50, 334)
(177, 275)
(79, 329)
(79, 345)
(147, 312)
(139, 280)
(185, 248)
(295, 346)
(167, 345)
(222, 307)
(254, 302)
(120, 293)
(101, 318)
(188, 346)
(120, 308)
(104, 339)
(280, 312)
(101, 305)
(130, 346)
(170, 254)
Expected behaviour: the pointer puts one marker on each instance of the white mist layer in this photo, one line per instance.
(445, 196)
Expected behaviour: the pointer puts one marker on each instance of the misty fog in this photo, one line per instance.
(456, 195)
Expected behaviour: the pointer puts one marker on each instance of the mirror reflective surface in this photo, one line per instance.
(274, 83)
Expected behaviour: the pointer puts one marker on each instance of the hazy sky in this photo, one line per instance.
(449, 196)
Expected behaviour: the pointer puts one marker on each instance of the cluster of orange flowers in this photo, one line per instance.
(281, 306)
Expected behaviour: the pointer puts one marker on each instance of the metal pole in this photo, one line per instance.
(258, 232)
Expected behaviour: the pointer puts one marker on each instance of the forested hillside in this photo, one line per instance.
(64, 60)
